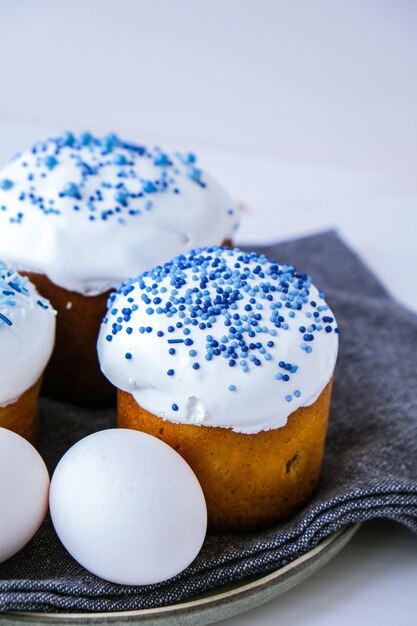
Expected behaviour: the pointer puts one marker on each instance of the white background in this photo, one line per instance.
(307, 111)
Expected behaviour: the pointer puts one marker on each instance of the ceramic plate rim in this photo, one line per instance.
(331, 545)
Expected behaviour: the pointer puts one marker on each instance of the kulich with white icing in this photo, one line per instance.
(27, 334)
(87, 211)
(220, 337)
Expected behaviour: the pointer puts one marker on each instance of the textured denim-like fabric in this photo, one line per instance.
(370, 467)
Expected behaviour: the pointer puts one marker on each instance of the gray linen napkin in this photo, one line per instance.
(370, 468)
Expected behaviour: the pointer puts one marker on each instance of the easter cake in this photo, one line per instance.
(27, 333)
(228, 357)
(79, 213)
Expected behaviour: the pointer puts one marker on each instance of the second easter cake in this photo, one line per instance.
(228, 357)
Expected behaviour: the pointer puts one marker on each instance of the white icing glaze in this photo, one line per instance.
(248, 395)
(27, 334)
(93, 247)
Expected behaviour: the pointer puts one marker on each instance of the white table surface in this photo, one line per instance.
(306, 111)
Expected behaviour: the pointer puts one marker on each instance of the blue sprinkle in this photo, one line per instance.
(128, 355)
(195, 174)
(85, 138)
(162, 160)
(196, 366)
(71, 190)
(288, 398)
(120, 159)
(308, 337)
(50, 162)
(175, 407)
(170, 372)
(108, 142)
(6, 319)
(148, 186)
(297, 393)
(68, 139)
(121, 197)
(6, 184)
(231, 388)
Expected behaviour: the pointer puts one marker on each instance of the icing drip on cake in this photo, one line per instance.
(27, 332)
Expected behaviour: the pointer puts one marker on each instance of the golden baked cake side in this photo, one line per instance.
(73, 373)
(249, 481)
(21, 416)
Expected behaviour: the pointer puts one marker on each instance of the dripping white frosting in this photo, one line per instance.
(27, 334)
(220, 338)
(87, 212)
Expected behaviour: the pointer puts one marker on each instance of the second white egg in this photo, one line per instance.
(127, 507)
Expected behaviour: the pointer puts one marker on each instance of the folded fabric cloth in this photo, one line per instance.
(370, 467)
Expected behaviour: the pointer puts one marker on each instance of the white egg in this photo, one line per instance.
(128, 507)
(24, 485)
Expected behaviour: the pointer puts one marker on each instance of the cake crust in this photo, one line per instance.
(73, 373)
(250, 481)
(21, 416)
